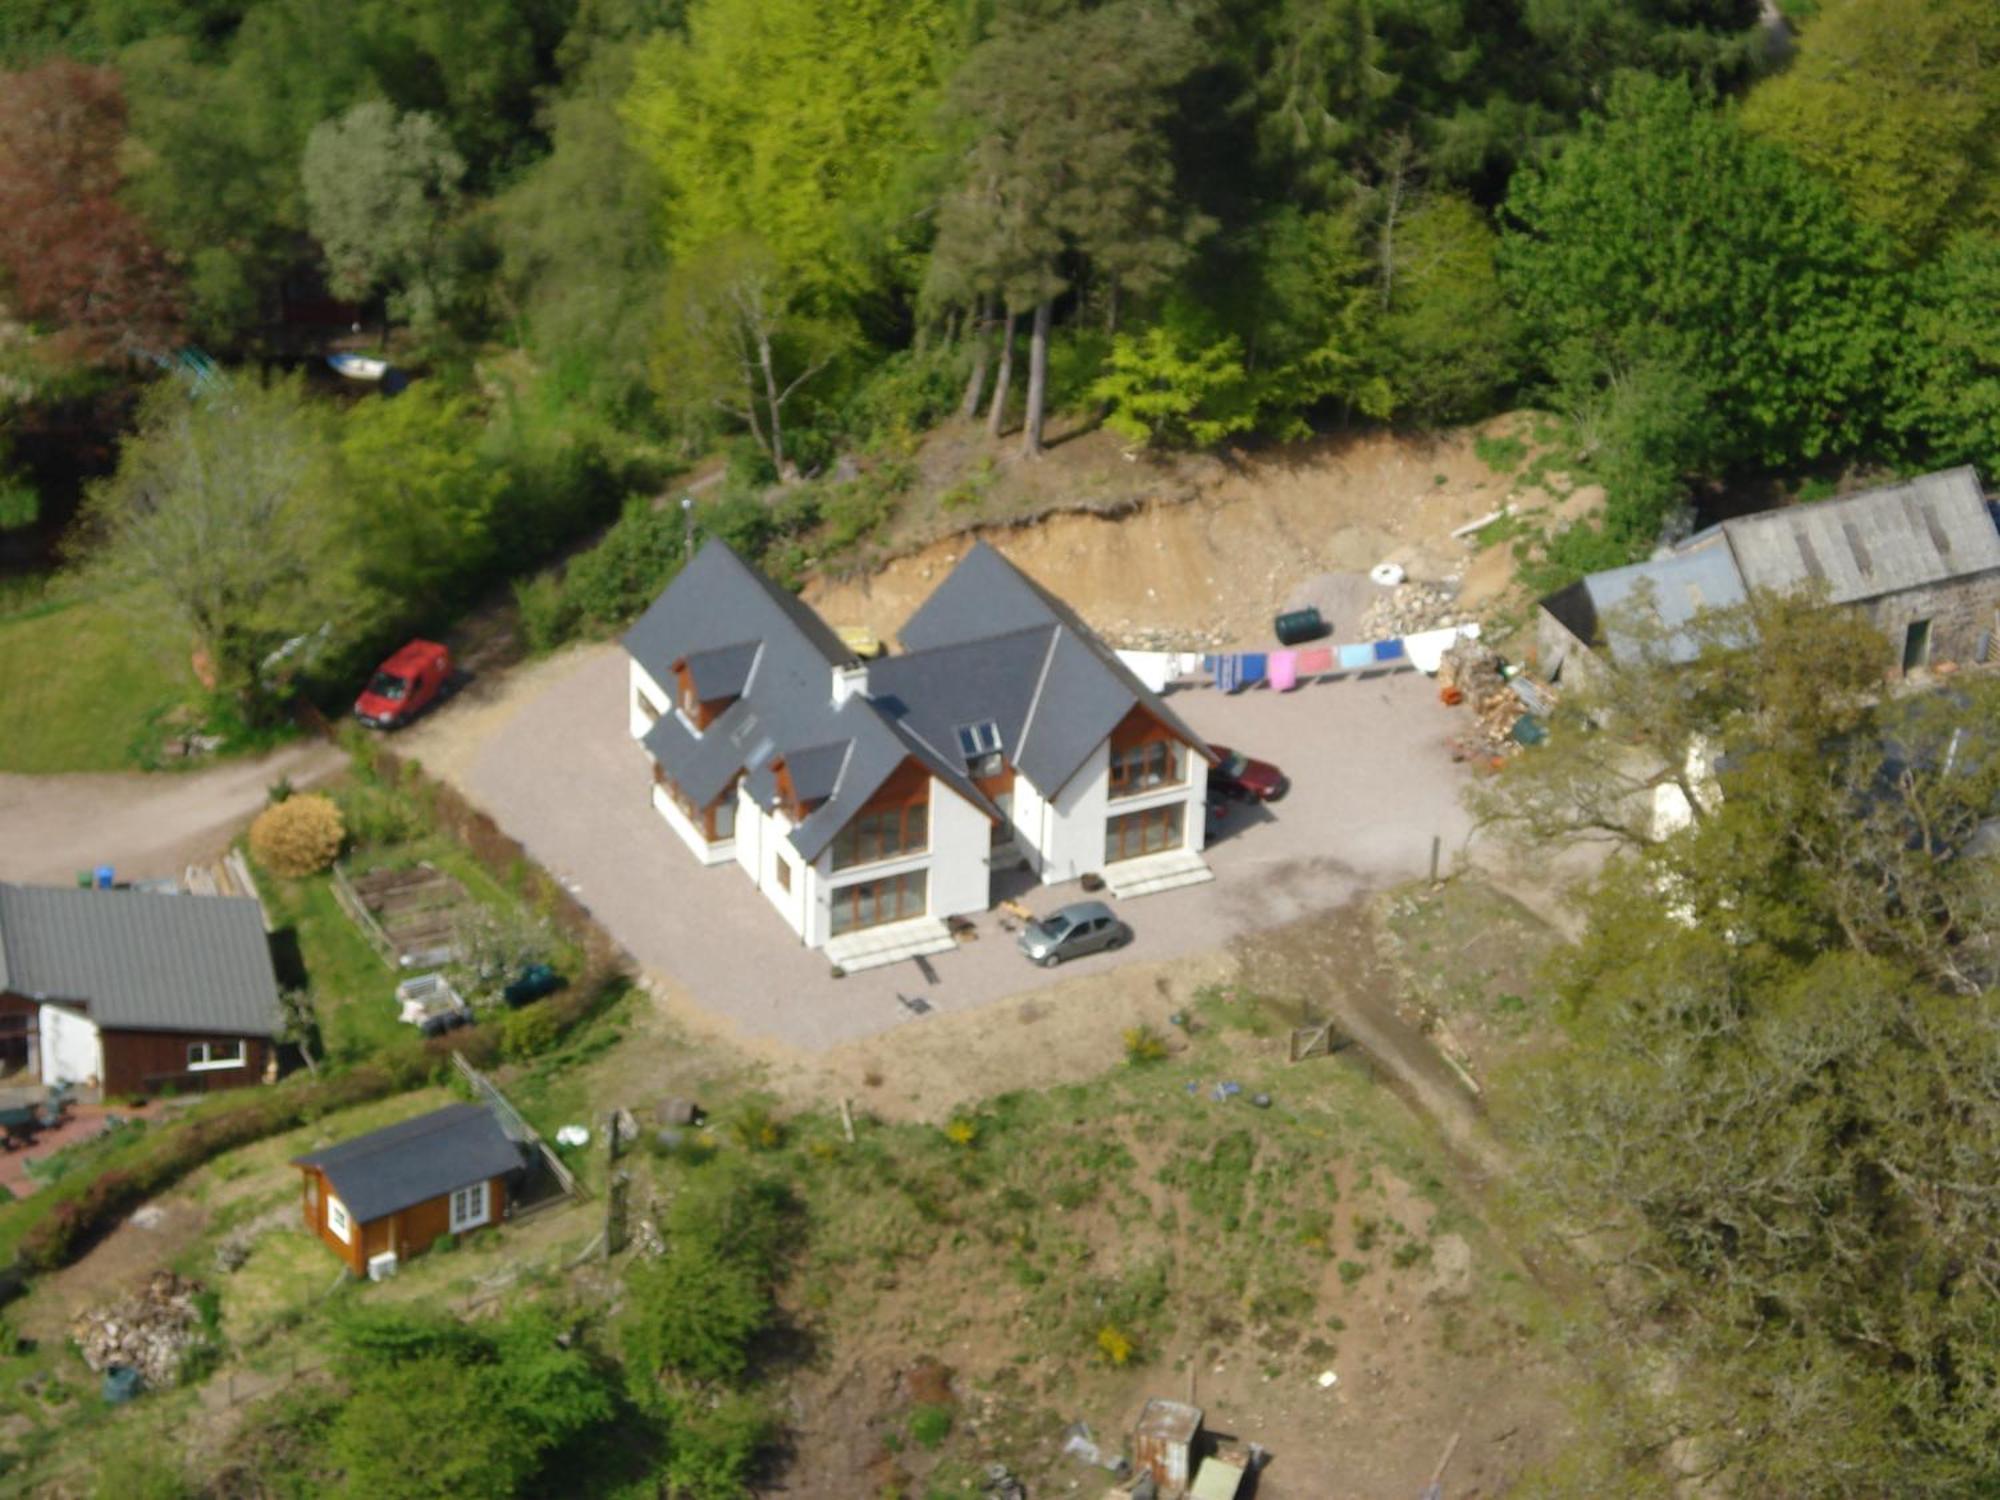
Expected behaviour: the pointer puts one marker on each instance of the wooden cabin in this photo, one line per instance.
(382, 1197)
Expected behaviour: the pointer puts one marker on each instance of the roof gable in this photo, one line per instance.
(141, 961)
(1082, 690)
(415, 1161)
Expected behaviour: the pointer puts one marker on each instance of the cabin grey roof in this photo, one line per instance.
(400, 1166)
(1881, 541)
(1083, 689)
(139, 961)
(786, 706)
(934, 694)
(1673, 589)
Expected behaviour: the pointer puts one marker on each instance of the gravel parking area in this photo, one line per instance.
(1371, 784)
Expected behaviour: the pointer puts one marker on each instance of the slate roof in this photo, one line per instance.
(1675, 588)
(723, 672)
(723, 617)
(400, 1166)
(1881, 541)
(1083, 689)
(140, 961)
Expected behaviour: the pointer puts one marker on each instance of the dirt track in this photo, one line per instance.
(143, 824)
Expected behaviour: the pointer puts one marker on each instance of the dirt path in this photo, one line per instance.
(143, 824)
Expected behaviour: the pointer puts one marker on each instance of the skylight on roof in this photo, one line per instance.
(975, 740)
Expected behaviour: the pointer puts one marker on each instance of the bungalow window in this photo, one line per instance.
(337, 1220)
(647, 709)
(1153, 831)
(1146, 767)
(469, 1207)
(205, 1055)
(887, 834)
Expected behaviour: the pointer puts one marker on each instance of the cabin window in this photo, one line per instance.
(202, 1055)
(337, 1220)
(1146, 768)
(469, 1207)
(888, 834)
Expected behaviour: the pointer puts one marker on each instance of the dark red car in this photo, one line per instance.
(1238, 776)
(404, 685)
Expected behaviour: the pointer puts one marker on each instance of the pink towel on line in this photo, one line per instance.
(1284, 671)
(1315, 660)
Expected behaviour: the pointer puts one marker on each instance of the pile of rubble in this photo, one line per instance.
(1410, 608)
(1125, 635)
(148, 1332)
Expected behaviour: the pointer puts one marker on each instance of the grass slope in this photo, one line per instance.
(81, 685)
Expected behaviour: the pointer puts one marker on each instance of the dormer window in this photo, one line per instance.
(980, 745)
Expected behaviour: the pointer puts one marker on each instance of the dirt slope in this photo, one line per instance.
(1212, 550)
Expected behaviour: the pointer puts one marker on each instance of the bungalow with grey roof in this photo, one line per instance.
(135, 993)
(870, 802)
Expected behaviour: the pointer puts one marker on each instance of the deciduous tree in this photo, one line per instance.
(73, 256)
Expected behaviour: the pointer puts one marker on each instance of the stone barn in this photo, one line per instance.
(1921, 559)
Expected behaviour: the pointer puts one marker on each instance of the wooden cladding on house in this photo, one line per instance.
(1145, 755)
(717, 821)
(894, 823)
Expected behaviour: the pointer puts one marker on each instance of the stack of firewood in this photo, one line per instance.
(149, 1331)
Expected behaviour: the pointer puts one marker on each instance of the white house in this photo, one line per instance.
(870, 802)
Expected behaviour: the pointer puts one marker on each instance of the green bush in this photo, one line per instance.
(1171, 389)
(712, 1452)
(528, 1032)
(905, 395)
(693, 1312)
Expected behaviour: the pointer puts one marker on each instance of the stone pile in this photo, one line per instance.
(1410, 608)
(149, 1331)
(1126, 635)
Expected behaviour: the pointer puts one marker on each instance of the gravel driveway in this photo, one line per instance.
(145, 824)
(1372, 783)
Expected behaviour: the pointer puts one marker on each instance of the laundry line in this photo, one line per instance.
(1283, 670)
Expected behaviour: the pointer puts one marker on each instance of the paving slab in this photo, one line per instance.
(1372, 784)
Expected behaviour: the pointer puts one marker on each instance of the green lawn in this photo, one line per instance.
(81, 684)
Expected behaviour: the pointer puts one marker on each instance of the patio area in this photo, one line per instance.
(1372, 784)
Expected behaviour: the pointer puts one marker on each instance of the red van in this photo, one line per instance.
(404, 685)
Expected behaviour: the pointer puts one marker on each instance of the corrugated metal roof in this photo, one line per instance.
(1672, 589)
(399, 1166)
(141, 961)
(1881, 541)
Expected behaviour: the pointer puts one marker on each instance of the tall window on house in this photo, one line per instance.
(1153, 831)
(888, 833)
(337, 1220)
(722, 817)
(870, 903)
(1003, 831)
(645, 706)
(203, 1055)
(1147, 767)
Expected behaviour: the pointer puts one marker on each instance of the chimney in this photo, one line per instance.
(849, 682)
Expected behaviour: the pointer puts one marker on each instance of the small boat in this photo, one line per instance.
(358, 366)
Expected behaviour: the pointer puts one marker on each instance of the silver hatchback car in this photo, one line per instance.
(1071, 932)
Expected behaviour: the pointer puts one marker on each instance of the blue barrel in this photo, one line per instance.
(107, 877)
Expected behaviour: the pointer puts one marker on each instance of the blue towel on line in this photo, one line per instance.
(1254, 667)
(1388, 651)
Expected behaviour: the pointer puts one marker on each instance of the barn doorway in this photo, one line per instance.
(1916, 645)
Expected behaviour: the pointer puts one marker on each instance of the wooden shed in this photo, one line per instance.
(387, 1195)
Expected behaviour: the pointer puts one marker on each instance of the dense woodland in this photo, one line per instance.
(612, 236)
